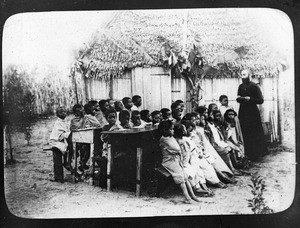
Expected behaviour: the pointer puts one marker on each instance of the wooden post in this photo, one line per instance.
(109, 167)
(75, 160)
(139, 154)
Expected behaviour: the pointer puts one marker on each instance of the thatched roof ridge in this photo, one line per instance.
(140, 38)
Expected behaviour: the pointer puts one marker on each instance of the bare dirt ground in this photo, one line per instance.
(30, 194)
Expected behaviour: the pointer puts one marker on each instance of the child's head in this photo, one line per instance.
(229, 115)
(103, 105)
(189, 126)
(179, 131)
(124, 118)
(111, 103)
(61, 112)
(78, 110)
(202, 110)
(181, 103)
(95, 104)
(156, 116)
(165, 128)
(137, 100)
(212, 106)
(119, 106)
(136, 118)
(127, 102)
(202, 122)
(111, 116)
(176, 106)
(176, 114)
(223, 100)
(145, 115)
(166, 113)
(217, 115)
(89, 109)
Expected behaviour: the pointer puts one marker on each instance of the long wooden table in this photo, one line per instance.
(92, 137)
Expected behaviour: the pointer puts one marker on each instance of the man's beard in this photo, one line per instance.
(245, 80)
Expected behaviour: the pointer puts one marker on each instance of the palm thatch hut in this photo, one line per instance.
(165, 55)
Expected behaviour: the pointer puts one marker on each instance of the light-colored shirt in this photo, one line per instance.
(59, 135)
(134, 107)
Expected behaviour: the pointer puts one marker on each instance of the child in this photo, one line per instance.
(176, 114)
(156, 117)
(224, 104)
(98, 113)
(145, 116)
(166, 114)
(124, 118)
(111, 117)
(137, 102)
(172, 160)
(222, 170)
(59, 138)
(232, 131)
(195, 174)
(127, 102)
(201, 159)
(217, 141)
(111, 104)
(118, 107)
(84, 118)
(136, 121)
(181, 103)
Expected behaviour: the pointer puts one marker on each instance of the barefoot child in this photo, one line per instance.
(59, 138)
(172, 160)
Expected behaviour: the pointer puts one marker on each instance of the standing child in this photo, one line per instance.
(137, 103)
(224, 104)
(172, 160)
(59, 138)
(127, 102)
(98, 113)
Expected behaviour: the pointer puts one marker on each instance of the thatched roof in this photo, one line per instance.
(150, 38)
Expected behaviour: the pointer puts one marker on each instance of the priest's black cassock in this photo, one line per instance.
(250, 120)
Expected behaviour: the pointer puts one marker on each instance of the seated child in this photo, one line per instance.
(84, 118)
(118, 107)
(124, 118)
(172, 160)
(98, 113)
(136, 121)
(156, 117)
(232, 131)
(195, 174)
(59, 138)
(111, 117)
(145, 116)
(217, 141)
(111, 104)
(166, 114)
(202, 160)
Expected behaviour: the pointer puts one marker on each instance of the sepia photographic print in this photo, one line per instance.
(142, 113)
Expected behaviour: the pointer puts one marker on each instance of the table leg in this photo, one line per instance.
(139, 154)
(109, 167)
(91, 153)
(75, 160)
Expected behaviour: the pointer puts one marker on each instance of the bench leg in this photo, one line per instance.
(109, 167)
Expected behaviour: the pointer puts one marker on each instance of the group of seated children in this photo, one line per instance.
(204, 146)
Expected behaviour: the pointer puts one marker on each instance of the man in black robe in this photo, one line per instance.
(249, 95)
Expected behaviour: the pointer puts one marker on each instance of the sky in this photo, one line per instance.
(39, 39)
(52, 38)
